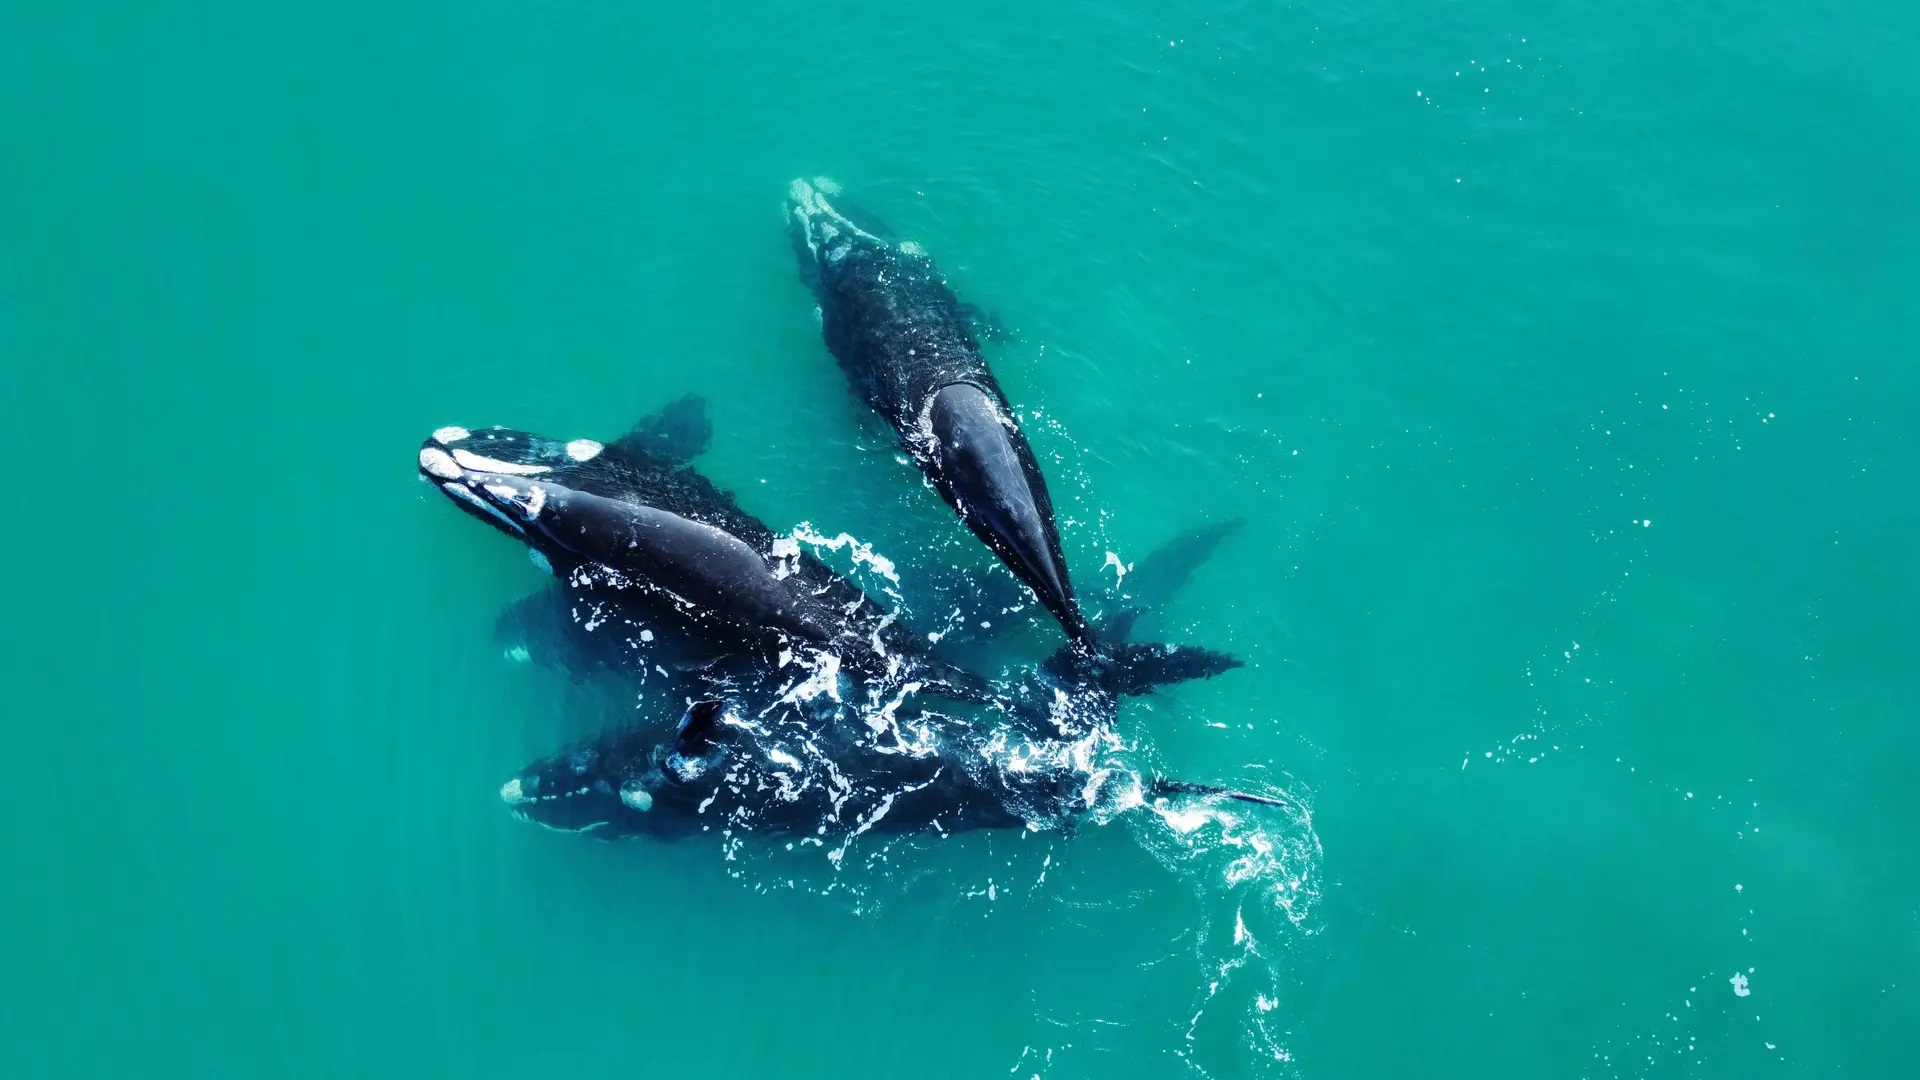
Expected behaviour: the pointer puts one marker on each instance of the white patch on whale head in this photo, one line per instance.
(505, 468)
(450, 434)
(519, 655)
(911, 248)
(535, 498)
(522, 815)
(584, 449)
(806, 232)
(437, 462)
(511, 795)
(546, 567)
(460, 492)
(637, 798)
(810, 204)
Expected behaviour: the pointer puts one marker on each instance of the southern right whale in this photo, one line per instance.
(904, 341)
(655, 560)
(725, 767)
(659, 569)
(754, 761)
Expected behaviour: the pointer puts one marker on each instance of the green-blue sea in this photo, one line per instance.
(1559, 359)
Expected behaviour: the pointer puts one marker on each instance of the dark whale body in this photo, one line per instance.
(769, 776)
(655, 561)
(904, 341)
(759, 763)
(785, 771)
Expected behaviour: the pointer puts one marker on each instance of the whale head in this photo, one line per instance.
(601, 787)
(627, 784)
(459, 462)
(504, 477)
(824, 229)
(590, 524)
(563, 528)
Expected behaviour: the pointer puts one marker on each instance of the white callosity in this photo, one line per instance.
(530, 501)
(504, 468)
(437, 462)
(460, 492)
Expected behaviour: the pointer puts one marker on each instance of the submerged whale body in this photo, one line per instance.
(789, 773)
(758, 761)
(904, 341)
(654, 561)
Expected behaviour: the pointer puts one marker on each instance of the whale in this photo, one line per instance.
(907, 346)
(754, 760)
(729, 766)
(658, 568)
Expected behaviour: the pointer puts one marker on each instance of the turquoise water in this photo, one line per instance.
(1551, 353)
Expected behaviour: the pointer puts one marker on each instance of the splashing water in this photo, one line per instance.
(1255, 874)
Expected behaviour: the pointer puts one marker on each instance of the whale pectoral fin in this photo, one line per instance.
(985, 327)
(538, 629)
(676, 434)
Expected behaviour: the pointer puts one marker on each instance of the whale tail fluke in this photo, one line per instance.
(1141, 667)
(1128, 668)
(1134, 669)
(1160, 786)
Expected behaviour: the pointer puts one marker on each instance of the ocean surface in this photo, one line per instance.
(1559, 359)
